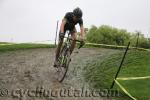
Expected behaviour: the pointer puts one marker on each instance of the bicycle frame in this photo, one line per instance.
(68, 42)
(67, 45)
(64, 58)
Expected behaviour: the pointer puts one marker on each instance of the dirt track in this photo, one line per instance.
(32, 69)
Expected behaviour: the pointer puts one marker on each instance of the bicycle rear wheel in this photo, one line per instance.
(64, 60)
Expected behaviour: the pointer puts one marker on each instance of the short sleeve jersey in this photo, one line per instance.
(70, 24)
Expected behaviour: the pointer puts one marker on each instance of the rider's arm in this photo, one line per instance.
(82, 32)
(62, 25)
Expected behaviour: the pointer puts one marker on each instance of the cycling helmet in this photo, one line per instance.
(77, 12)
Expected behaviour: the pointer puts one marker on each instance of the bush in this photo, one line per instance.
(113, 36)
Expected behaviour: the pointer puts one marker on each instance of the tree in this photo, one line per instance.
(110, 35)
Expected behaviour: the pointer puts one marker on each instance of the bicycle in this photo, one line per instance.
(64, 58)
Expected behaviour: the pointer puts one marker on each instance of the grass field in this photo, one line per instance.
(4, 42)
(4, 46)
(100, 73)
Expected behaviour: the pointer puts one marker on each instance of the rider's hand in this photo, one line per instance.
(82, 43)
(82, 40)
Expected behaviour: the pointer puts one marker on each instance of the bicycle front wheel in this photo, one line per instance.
(64, 61)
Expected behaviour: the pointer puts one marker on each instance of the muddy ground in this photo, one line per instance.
(24, 72)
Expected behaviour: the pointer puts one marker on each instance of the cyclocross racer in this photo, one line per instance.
(68, 24)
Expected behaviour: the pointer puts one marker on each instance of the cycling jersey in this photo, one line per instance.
(70, 24)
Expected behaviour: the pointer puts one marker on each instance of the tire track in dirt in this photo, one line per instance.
(32, 69)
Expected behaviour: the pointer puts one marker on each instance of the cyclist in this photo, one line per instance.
(68, 24)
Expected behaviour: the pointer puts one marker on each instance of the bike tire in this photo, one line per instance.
(66, 54)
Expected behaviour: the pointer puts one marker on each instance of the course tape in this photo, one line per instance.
(133, 78)
(143, 49)
(124, 90)
(117, 46)
(104, 45)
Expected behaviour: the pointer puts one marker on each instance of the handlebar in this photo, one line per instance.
(82, 43)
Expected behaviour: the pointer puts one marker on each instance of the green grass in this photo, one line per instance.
(137, 88)
(3, 42)
(12, 47)
(100, 74)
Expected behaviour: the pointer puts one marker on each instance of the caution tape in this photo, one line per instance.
(124, 90)
(95, 44)
(133, 78)
(104, 45)
(116, 46)
(143, 49)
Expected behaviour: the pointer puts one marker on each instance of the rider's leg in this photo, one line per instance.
(73, 36)
(58, 49)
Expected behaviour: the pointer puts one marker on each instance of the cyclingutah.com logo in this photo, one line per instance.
(57, 93)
